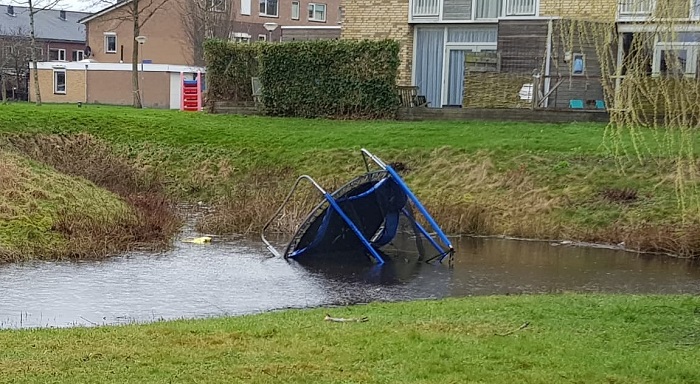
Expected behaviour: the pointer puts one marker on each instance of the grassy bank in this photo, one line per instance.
(555, 181)
(71, 197)
(568, 339)
(44, 213)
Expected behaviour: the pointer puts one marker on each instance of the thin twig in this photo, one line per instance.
(515, 330)
(91, 322)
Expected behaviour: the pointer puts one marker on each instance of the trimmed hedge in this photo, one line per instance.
(229, 69)
(322, 78)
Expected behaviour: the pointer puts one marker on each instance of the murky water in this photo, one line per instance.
(238, 276)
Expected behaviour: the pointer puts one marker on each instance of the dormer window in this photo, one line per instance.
(11, 10)
(62, 15)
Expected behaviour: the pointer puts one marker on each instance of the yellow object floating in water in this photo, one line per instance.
(199, 240)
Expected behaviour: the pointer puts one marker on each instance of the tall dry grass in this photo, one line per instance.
(84, 156)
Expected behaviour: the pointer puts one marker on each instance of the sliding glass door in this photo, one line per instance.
(439, 59)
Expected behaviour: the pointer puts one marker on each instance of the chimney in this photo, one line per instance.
(11, 10)
(62, 15)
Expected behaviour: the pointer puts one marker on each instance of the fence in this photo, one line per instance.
(569, 92)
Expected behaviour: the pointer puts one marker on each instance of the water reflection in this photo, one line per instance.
(237, 276)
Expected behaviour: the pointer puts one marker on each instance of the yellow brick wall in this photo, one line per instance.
(596, 10)
(75, 87)
(381, 19)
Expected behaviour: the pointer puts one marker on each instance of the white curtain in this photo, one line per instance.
(472, 34)
(488, 9)
(428, 66)
(455, 81)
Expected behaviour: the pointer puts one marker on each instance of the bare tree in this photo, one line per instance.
(14, 58)
(205, 19)
(138, 13)
(36, 6)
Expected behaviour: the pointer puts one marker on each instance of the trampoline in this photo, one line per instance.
(371, 217)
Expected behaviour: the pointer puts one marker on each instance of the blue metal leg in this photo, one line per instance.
(425, 233)
(420, 207)
(354, 228)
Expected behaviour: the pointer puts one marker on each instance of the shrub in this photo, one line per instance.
(323, 78)
(229, 69)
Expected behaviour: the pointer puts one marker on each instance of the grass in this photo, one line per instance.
(82, 202)
(554, 181)
(569, 339)
(35, 202)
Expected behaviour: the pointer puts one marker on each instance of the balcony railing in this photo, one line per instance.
(520, 7)
(426, 7)
(437, 10)
(636, 7)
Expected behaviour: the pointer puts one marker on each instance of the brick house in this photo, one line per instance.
(110, 35)
(58, 34)
(486, 53)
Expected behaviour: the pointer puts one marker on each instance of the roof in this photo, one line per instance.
(91, 65)
(118, 4)
(47, 24)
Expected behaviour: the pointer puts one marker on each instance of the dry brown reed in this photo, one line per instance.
(84, 156)
(255, 199)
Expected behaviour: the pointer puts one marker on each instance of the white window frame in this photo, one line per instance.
(267, 11)
(507, 5)
(109, 35)
(296, 10)
(240, 37)
(262, 37)
(79, 55)
(695, 10)
(312, 12)
(633, 11)
(55, 81)
(692, 58)
(60, 54)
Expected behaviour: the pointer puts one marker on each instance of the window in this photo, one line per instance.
(488, 9)
(695, 9)
(262, 37)
(675, 59)
(295, 10)
(59, 81)
(78, 55)
(520, 7)
(57, 54)
(240, 37)
(110, 43)
(268, 8)
(578, 64)
(317, 12)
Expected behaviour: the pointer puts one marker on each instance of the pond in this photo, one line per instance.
(238, 276)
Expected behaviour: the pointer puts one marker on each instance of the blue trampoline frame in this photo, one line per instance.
(366, 243)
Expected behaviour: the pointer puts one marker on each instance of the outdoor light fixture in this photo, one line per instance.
(270, 27)
(141, 39)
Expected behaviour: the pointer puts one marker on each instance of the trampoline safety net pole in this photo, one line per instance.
(354, 228)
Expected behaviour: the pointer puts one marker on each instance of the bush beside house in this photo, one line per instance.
(331, 78)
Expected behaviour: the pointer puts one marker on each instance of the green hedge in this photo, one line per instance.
(322, 78)
(229, 69)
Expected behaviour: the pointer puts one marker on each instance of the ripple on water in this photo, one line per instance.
(238, 276)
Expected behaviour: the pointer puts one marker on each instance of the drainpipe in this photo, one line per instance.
(86, 83)
(548, 64)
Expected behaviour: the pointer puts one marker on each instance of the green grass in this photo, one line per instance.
(487, 178)
(35, 199)
(569, 339)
